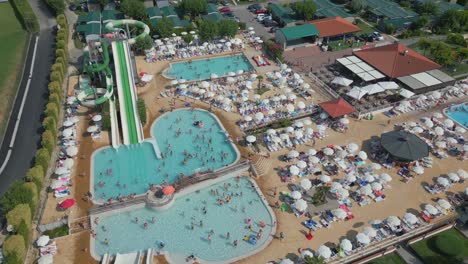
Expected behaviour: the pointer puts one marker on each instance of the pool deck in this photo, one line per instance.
(155, 145)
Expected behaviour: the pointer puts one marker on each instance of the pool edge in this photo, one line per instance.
(456, 122)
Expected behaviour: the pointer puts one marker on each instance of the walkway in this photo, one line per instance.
(408, 256)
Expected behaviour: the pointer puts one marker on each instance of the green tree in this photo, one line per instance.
(55, 76)
(428, 8)
(165, 27)
(53, 112)
(15, 195)
(304, 9)
(12, 259)
(227, 28)
(54, 98)
(422, 22)
(58, 6)
(358, 5)
(143, 43)
(456, 39)
(23, 231)
(193, 8)
(50, 124)
(36, 176)
(43, 158)
(455, 21)
(208, 30)
(188, 38)
(462, 2)
(102, 3)
(314, 260)
(48, 140)
(260, 79)
(442, 53)
(461, 54)
(133, 8)
(389, 28)
(14, 245)
(424, 44)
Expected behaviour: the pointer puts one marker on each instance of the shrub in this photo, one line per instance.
(61, 61)
(14, 245)
(15, 195)
(49, 123)
(52, 111)
(57, 232)
(22, 212)
(61, 44)
(142, 110)
(55, 76)
(36, 176)
(31, 187)
(242, 25)
(58, 67)
(57, 6)
(23, 231)
(12, 259)
(48, 140)
(62, 54)
(55, 98)
(55, 87)
(43, 158)
(448, 245)
(61, 20)
(106, 123)
(26, 15)
(456, 39)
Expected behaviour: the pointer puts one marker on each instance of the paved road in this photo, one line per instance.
(249, 18)
(29, 129)
(408, 256)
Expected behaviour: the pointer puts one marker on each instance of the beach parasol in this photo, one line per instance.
(339, 213)
(428, 123)
(46, 259)
(362, 238)
(289, 129)
(67, 132)
(460, 130)
(417, 130)
(74, 119)
(168, 190)
(56, 184)
(441, 144)
(431, 209)
(439, 131)
(67, 123)
(344, 121)
(314, 160)
(312, 152)
(451, 140)
(466, 191)
(174, 82)
(293, 154)
(67, 203)
(393, 221)
(309, 131)
(298, 134)
(404, 146)
(213, 76)
(323, 115)
(259, 116)
(362, 155)
(301, 164)
(336, 186)
(306, 253)
(294, 170)
(369, 178)
(300, 205)
(182, 80)
(307, 122)
(61, 170)
(256, 96)
(290, 108)
(462, 174)
(71, 100)
(42, 241)
(97, 118)
(369, 231)
(292, 97)
(410, 218)
(376, 186)
(247, 118)
(352, 147)
(306, 184)
(286, 261)
(375, 222)
(365, 190)
(271, 131)
(205, 84)
(72, 151)
(443, 181)
(418, 170)
(299, 124)
(251, 139)
(437, 115)
(284, 136)
(436, 95)
(376, 166)
(301, 105)
(296, 195)
(328, 151)
(350, 178)
(324, 252)
(342, 193)
(92, 129)
(453, 177)
(346, 245)
(385, 177)
(265, 101)
(448, 123)
(325, 178)
(444, 204)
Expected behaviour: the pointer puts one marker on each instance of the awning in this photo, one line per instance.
(373, 88)
(337, 108)
(357, 93)
(404, 146)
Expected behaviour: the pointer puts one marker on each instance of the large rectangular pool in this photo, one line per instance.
(459, 113)
(203, 68)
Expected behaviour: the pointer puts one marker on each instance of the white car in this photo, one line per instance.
(261, 17)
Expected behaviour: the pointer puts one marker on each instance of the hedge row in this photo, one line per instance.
(26, 15)
(21, 200)
(142, 110)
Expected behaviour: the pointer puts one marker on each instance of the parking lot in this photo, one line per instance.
(249, 18)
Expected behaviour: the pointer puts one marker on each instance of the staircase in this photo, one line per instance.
(262, 166)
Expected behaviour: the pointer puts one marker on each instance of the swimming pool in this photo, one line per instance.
(187, 149)
(203, 68)
(459, 114)
(173, 226)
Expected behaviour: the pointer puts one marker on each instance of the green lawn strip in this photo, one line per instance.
(13, 42)
(427, 251)
(57, 232)
(392, 258)
(365, 28)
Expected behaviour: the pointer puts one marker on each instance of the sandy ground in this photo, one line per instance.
(401, 198)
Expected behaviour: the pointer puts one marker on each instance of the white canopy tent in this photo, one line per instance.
(357, 93)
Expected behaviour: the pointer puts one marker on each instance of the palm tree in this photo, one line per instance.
(260, 79)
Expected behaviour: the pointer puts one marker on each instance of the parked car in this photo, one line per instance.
(254, 7)
(260, 11)
(73, 7)
(228, 14)
(225, 10)
(261, 17)
(225, 2)
(269, 23)
(377, 36)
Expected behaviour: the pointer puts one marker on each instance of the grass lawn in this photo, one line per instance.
(366, 29)
(12, 50)
(57, 232)
(427, 250)
(392, 258)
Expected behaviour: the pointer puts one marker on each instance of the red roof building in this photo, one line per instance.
(337, 108)
(396, 60)
(334, 26)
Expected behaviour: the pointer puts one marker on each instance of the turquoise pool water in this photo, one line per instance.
(202, 69)
(173, 226)
(131, 169)
(458, 113)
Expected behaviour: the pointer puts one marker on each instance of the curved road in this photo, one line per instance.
(28, 135)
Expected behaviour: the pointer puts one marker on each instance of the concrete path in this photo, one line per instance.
(408, 256)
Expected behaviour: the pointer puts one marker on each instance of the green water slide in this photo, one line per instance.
(111, 26)
(126, 95)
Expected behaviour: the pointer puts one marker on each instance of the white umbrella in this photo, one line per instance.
(357, 93)
(247, 118)
(300, 205)
(411, 124)
(97, 118)
(342, 193)
(444, 204)
(56, 184)
(362, 155)
(253, 76)
(276, 99)
(324, 252)
(431, 209)
(72, 151)
(466, 191)
(230, 80)
(296, 195)
(362, 238)
(436, 95)
(306, 253)
(393, 221)
(298, 134)
(205, 84)
(373, 88)
(451, 140)
(68, 163)
(428, 123)
(339, 213)
(290, 108)
(335, 186)
(67, 123)
(376, 166)
(298, 124)
(376, 186)
(365, 190)
(284, 136)
(292, 97)
(385, 177)
(46, 259)
(462, 174)
(342, 81)
(71, 100)
(182, 80)
(352, 147)
(437, 115)
(417, 130)
(328, 151)
(460, 130)
(375, 222)
(294, 170)
(369, 178)
(440, 144)
(325, 178)
(257, 96)
(344, 121)
(174, 82)
(293, 154)
(453, 177)
(439, 131)
(213, 76)
(369, 231)
(314, 160)
(389, 85)
(312, 152)
(92, 129)
(405, 93)
(309, 131)
(306, 184)
(259, 116)
(202, 91)
(350, 178)
(67, 132)
(323, 116)
(286, 261)
(301, 164)
(289, 129)
(448, 123)
(251, 139)
(301, 105)
(74, 119)
(42, 241)
(443, 181)
(346, 245)
(410, 218)
(271, 131)
(418, 170)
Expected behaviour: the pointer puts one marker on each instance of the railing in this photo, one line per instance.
(117, 205)
(292, 118)
(323, 85)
